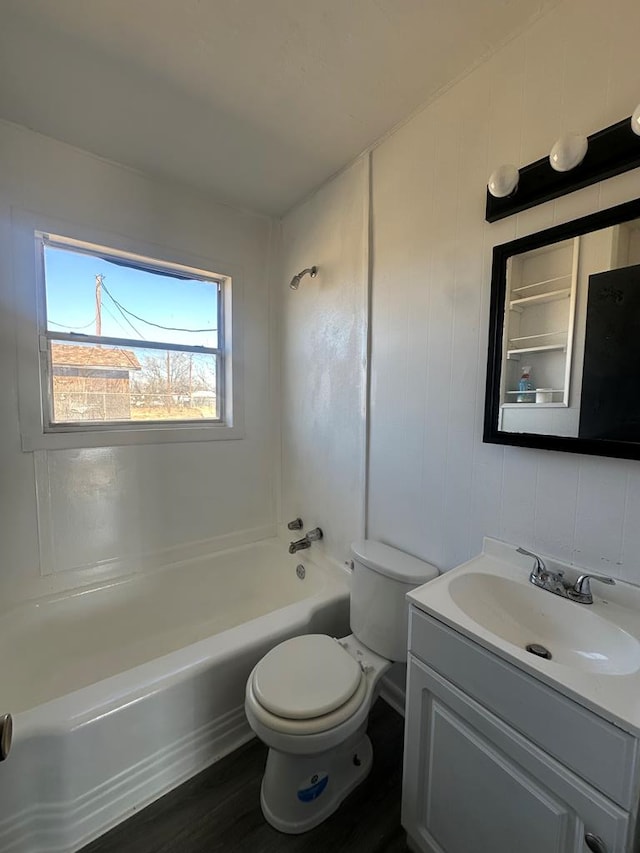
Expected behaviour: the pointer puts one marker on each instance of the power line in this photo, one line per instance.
(124, 316)
(114, 318)
(67, 326)
(149, 322)
(125, 352)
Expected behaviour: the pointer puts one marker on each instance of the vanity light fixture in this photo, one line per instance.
(568, 152)
(575, 162)
(504, 181)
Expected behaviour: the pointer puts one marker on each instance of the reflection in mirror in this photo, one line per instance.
(538, 336)
(565, 358)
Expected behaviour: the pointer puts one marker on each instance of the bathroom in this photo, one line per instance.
(363, 392)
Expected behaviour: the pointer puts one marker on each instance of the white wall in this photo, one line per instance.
(111, 510)
(323, 328)
(435, 489)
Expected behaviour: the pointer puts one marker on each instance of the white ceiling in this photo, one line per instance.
(256, 101)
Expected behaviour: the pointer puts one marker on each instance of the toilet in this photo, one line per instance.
(309, 698)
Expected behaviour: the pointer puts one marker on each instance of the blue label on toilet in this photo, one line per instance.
(312, 787)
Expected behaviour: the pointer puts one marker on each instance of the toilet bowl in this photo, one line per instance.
(309, 698)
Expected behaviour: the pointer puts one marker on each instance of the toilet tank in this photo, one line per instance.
(382, 576)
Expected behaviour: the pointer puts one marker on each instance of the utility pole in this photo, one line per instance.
(168, 398)
(99, 280)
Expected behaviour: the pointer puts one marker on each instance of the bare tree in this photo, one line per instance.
(174, 375)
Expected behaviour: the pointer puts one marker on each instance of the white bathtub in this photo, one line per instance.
(121, 692)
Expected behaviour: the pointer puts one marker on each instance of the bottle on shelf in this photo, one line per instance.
(525, 385)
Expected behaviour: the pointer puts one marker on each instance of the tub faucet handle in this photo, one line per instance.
(6, 732)
(296, 524)
(314, 535)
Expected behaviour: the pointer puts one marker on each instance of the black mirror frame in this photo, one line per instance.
(492, 435)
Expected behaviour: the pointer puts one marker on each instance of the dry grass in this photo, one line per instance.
(173, 413)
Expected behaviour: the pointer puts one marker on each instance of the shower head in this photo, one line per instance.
(294, 284)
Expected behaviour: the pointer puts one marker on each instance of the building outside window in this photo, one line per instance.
(91, 383)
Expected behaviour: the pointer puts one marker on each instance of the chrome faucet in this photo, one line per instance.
(300, 544)
(555, 582)
(541, 576)
(539, 569)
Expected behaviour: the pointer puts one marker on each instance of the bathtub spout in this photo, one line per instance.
(299, 545)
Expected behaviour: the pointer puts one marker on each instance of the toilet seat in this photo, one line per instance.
(306, 677)
(312, 725)
(305, 686)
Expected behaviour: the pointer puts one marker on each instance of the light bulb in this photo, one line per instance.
(568, 152)
(503, 181)
(635, 120)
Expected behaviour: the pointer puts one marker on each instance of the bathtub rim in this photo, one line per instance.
(325, 563)
(79, 706)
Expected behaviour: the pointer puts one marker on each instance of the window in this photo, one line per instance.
(127, 345)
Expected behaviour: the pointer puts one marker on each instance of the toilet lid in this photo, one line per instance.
(305, 677)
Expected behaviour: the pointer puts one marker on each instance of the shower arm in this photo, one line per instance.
(295, 281)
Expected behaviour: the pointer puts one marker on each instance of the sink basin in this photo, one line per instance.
(520, 614)
(594, 648)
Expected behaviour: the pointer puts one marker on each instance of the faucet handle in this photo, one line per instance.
(314, 535)
(296, 524)
(6, 732)
(581, 590)
(539, 566)
(583, 585)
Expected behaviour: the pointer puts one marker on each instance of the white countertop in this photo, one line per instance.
(573, 633)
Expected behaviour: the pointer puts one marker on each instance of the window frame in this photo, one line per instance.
(38, 431)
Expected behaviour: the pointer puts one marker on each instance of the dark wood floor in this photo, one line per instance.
(219, 810)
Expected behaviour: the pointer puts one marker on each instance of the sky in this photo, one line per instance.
(71, 301)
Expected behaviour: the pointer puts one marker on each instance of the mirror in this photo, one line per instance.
(564, 337)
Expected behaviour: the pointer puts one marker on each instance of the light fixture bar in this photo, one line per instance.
(611, 151)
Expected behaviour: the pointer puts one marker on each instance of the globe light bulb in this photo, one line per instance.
(568, 152)
(635, 120)
(503, 181)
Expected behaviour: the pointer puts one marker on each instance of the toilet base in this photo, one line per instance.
(300, 791)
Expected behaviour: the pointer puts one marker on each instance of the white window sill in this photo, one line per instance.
(128, 437)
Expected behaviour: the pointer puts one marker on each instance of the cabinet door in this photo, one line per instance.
(473, 784)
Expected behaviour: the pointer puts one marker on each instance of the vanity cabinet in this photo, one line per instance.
(491, 758)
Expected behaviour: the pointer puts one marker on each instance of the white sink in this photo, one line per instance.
(521, 614)
(594, 648)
